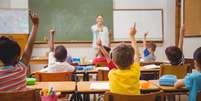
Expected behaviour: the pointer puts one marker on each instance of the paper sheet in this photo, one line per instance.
(100, 86)
(152, 66)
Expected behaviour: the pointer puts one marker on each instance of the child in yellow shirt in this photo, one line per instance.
(125, 79)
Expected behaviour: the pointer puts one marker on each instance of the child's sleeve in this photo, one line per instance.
(111, 65)
(188, 80)
(51, 58)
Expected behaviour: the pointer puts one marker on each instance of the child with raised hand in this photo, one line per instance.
(175, 53)
(149, 50)
(105, 55)
(125, 79)
(57, 57)
(13, 68)
(192, 81)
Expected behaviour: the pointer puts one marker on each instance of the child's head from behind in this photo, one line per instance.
(9, 51)
(174, 55)
(151, 47)
(123, 56)
(60, 53)
(197, 58)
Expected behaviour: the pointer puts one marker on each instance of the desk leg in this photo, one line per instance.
(86, 77)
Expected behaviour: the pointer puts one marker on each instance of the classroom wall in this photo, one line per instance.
(168, 7)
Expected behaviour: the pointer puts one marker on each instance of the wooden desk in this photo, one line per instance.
(66, 86)
(84, 87)
(39, 60)
(167, 88)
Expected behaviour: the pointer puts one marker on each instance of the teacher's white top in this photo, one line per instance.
(104, 36)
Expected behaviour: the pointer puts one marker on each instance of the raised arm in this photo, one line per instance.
(51, 40)
(145, 40)
(105, 53)
(29, 45)
(181, 37)
(132, 34)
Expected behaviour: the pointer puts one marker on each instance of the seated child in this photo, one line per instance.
(149, 50)
(174, 53)
(57, 58)
(100, 57)
(125, 79)
(13, 68)
(105, 53)
(192, 81)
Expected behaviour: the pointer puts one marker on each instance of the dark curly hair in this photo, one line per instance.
(9, 51)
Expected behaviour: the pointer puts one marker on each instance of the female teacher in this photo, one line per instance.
(100, 32)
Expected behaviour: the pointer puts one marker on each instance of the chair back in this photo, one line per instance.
(190, 61)
(199, 96)
(142, 97)
(27, 95)
(47, 77)
(102, 75)
(180, 71)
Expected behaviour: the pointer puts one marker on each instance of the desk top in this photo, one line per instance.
(66, 86)
(84, 87)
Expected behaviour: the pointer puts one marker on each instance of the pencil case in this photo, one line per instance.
(167, 80)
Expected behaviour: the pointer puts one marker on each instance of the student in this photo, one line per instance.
(149, 50)
(125, 79)
(174, 53)
(57, 58)
(192, 81)
(105, 53)
(100, 57)
(13, 68)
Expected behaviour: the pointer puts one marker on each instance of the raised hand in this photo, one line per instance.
(99, 42)
(145, 34)
(52, 31)
(34, 17)
(132, 31)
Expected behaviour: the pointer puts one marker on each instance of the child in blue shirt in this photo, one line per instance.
(149, 50)
(192, 81)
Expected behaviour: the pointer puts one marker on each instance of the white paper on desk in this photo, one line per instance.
(100, 86)
(102, 68)
(152, 66)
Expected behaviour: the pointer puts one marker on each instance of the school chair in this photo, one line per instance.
(198, 96)
(180, 71)
(189, 61)
(101, 64)
(142, 97)
(26, 95)
(51, 77)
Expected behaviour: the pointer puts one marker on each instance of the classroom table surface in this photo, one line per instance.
(65, 86)
(84, 87)
(39, 60)
(167, 88)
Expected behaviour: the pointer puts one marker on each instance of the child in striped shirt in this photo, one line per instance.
(12, 68)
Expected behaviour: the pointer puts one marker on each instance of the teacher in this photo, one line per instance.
(100, 32)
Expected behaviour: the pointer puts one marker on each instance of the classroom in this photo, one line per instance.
(100, 50)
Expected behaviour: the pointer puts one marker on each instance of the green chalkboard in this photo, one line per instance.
(72, 19)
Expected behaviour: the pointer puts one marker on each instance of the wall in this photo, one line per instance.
(190, 44)
(168, 7)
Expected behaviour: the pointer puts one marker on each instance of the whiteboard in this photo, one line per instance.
(14, 21)
(146, 21)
